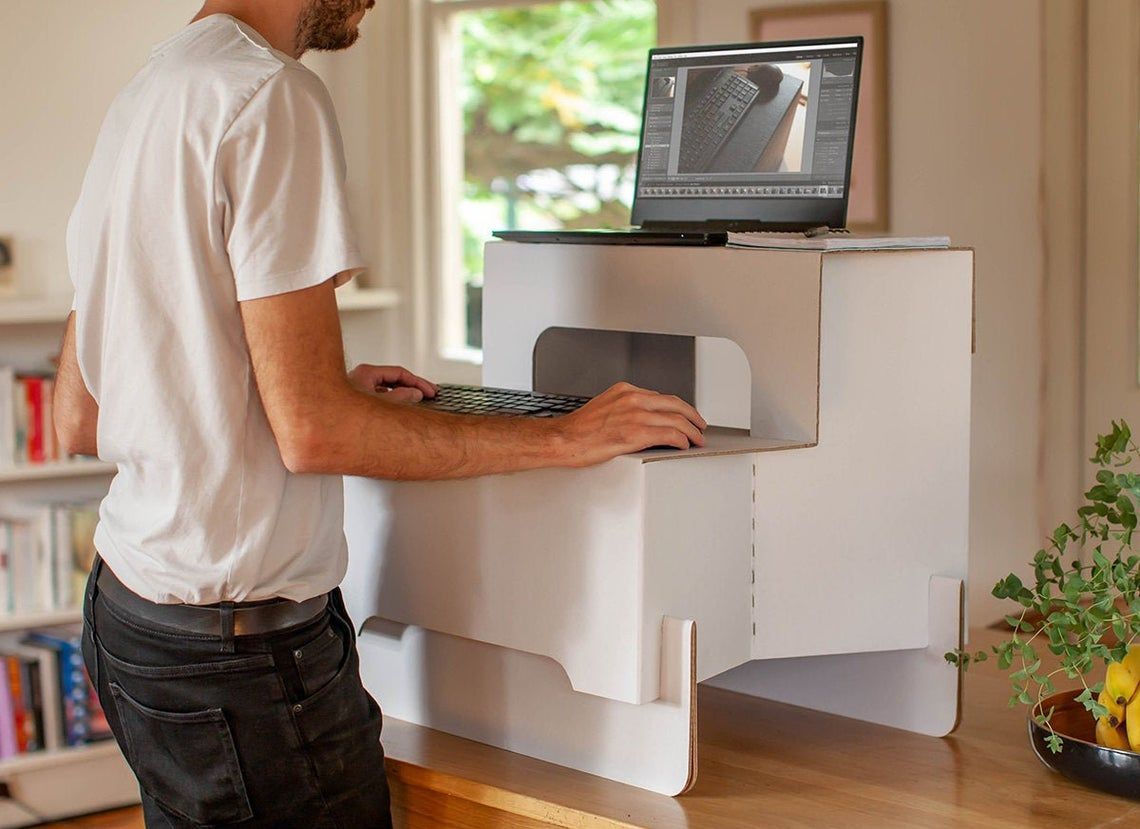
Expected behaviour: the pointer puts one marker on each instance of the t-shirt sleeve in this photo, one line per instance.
(281, 181)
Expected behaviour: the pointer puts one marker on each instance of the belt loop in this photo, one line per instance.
(93, 579)
(227, 614)
(89, 615)
(336, 605)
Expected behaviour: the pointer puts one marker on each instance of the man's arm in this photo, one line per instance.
(74, 411)
(323, 424)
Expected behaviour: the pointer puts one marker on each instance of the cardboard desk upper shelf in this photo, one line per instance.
(763, 309)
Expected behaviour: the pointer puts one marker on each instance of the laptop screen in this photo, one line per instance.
(755, 134)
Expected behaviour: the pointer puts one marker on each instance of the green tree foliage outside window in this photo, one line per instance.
(552, 100)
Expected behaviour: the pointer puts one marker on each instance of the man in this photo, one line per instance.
(204, 358)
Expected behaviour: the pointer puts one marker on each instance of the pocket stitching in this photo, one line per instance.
(312, 652)
(349, 658)
(214, 716)
(156, 629)
(261, 660)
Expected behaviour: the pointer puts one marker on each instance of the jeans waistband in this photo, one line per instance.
(224, 620)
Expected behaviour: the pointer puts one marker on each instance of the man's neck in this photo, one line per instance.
(276, 20)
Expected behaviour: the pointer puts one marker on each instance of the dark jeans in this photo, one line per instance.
(278, 733)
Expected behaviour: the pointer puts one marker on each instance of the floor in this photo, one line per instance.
(117, 819)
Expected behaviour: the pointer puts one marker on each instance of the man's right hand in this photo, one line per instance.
(625, 419)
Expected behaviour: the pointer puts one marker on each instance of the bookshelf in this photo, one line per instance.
(48, 785)
(41, 760)
(53, 310)
(52, 785)
(23, 621)
(35, 310)
(54, 469)
(366, 299)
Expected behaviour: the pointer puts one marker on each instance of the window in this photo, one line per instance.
(539, 108)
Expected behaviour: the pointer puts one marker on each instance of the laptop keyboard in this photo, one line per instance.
(714, 118)
(481, 400)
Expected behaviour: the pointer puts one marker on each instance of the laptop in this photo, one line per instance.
(746, 137)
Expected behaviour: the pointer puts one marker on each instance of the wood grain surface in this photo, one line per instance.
(772, 765)
(761, 765)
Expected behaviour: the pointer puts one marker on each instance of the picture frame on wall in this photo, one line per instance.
(7, 271)
(868, 208)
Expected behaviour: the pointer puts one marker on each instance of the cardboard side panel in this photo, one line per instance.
(916, 690)
(857, 525)
(698, 556)
(523, 703)
(547, 562)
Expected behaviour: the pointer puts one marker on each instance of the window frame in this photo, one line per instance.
(422, 165)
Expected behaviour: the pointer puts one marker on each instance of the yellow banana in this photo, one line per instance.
(1120, 683)
(1109, 736)
(1115, 709)
(1131, 660)
(1132, 723)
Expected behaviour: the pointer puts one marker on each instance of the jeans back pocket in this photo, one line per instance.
(185, 761)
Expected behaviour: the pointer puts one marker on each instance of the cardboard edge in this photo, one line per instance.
(686, 454)
(961, 696)
(818, 349)
(693, 760)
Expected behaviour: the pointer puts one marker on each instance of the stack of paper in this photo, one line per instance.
(833, 241)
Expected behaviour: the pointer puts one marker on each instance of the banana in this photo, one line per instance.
(1131, 660)
(1132, 723)
(1109, 736)
(1115, 709)
(1120, 683)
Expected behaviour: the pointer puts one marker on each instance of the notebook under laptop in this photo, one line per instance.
(747, 137)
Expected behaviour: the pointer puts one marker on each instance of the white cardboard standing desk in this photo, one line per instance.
(813, 552)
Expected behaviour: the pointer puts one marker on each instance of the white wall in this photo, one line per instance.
(1111, 381)
(965, 121)
(60, 65)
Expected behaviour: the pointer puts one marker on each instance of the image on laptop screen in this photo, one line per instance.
(748, 126)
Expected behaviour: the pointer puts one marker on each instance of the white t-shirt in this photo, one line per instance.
(217, 177)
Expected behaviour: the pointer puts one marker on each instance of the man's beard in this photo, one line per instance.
(323, 25)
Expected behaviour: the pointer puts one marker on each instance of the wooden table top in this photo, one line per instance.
(773, 765)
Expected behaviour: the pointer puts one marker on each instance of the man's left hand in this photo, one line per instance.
(394, 382)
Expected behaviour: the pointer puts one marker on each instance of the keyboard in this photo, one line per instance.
(713, 118)
(481, 400)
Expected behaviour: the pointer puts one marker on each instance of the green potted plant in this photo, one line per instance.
(1083, 607)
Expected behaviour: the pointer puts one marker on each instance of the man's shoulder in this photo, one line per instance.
(222, 49)
(230, 64)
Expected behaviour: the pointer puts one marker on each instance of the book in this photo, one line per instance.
(33, 700)
(7, 416)
(74, 687)
(33, 396)
(62, 556)
(8, 746)
(47, 420)
(6, 541)
(19, 709)
(46, 552)
(47, 683)
(833, 241)
(22, 583)
(27, 428)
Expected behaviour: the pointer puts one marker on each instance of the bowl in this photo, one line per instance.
(1081, 759)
